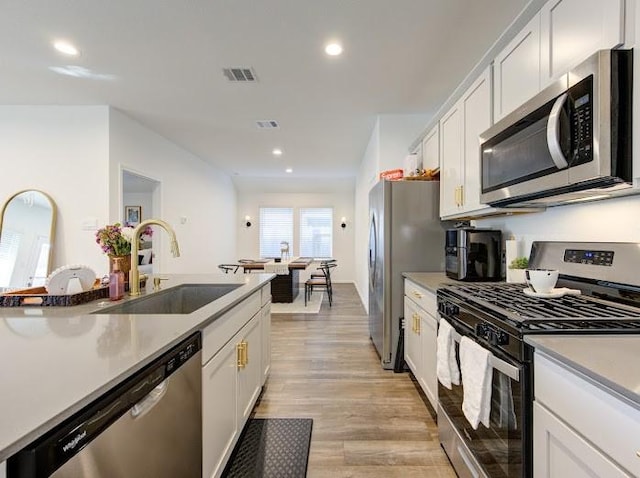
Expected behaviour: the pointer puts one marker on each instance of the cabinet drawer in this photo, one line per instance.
(608, 422)
(215, 335)
(425, 299)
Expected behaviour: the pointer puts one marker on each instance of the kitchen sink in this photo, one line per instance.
(182, 299)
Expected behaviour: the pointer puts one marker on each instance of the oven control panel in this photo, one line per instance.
(590, 257)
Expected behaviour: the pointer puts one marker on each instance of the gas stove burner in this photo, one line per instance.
(538, 314)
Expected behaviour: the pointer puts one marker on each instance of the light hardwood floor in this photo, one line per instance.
(367, 422)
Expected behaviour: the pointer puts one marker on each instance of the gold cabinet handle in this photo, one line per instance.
(462, 195)
(418, 325)
(240, 355)
(245, 351)
(417, 294)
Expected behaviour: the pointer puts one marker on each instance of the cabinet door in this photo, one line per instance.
(266, 342)
(428, 344)
(250, 374)
(571, 30)
(219, 417)
(516, 70)
(412, 336)
(559, 451)
(476, 109)
(451, 161)
(431, 149)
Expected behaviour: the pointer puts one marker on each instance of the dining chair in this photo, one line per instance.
(226, 268)
(323, 282)
(323, 262)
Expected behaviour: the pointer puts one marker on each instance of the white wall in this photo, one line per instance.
(76, 153)
(612, 220)
(386, 149)
(63, 151)
(250, 199)
(197, 199)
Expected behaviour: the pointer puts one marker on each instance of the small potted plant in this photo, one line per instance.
(515, 271)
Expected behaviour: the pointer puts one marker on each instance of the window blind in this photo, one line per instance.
(316, 232)
(276, 226)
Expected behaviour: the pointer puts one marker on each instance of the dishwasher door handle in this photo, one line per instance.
(145, 405)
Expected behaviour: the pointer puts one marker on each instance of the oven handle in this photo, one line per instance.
(500, 365)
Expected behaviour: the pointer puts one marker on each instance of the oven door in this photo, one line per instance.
(497, 451)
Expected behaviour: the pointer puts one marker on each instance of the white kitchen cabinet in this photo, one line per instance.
(516, 70)
(451, 164)
(460, 150)
(571, 30)
(412, 352)
(266, 331)
(420, 328)
(431, 149)
(266, 341)
(560, 451)
(232, 377)
(219, 417)
(580, 428)
(3, 469)
(249, 378)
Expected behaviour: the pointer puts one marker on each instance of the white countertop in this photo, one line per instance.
(610, 361)
(430, 280)
(56, 360)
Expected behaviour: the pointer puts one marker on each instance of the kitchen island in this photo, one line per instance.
(60, 359)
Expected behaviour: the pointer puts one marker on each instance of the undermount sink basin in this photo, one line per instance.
(182, 299)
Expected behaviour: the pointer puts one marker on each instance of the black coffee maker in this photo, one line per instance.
(473, 254)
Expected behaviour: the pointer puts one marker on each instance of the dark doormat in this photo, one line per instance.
(271, 448)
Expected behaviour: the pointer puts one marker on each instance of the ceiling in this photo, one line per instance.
(161, 61)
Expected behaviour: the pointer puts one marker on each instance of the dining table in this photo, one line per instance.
(285, 287)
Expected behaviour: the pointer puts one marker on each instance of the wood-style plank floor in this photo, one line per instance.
(367, 422)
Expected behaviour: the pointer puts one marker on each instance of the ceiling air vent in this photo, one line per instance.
(246, 75)
(267, 124)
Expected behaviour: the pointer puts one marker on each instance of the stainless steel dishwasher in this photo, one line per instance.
(148, 426)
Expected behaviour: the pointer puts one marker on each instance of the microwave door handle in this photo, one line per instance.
(553, 133)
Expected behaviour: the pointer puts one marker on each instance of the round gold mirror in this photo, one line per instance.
(27, 231)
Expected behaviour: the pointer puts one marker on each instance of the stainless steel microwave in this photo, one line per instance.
(570, 142)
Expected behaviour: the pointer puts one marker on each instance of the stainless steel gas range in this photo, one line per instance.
(497, 316)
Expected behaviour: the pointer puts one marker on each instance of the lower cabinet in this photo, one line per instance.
(232, 378)
(420, 337)
(579, 428)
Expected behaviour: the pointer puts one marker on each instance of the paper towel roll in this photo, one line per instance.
(510, 253)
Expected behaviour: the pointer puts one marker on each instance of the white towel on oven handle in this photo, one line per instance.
(477, 374)
(446, 365)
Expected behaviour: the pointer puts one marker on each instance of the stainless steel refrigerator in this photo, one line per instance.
(405, 235)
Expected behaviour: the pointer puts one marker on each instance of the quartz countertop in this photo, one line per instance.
(429, 280)
(56, 360)
(610, 361)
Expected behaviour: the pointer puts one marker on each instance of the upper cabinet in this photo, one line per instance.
(460, 150)
(560, 36)
(571, 30)
(431, 149)
(516, 70)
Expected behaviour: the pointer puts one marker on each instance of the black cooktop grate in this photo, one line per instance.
(538, 314)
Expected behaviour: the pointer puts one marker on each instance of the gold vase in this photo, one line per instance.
(123, 264)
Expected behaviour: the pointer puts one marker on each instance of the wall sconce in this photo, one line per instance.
(343, 222)
(247, 221)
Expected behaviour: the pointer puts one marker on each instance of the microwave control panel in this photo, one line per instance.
(581, 96)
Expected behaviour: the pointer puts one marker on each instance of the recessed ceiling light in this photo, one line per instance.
(333, 49)
(66, 48)
(277, 152)
(288, 170)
